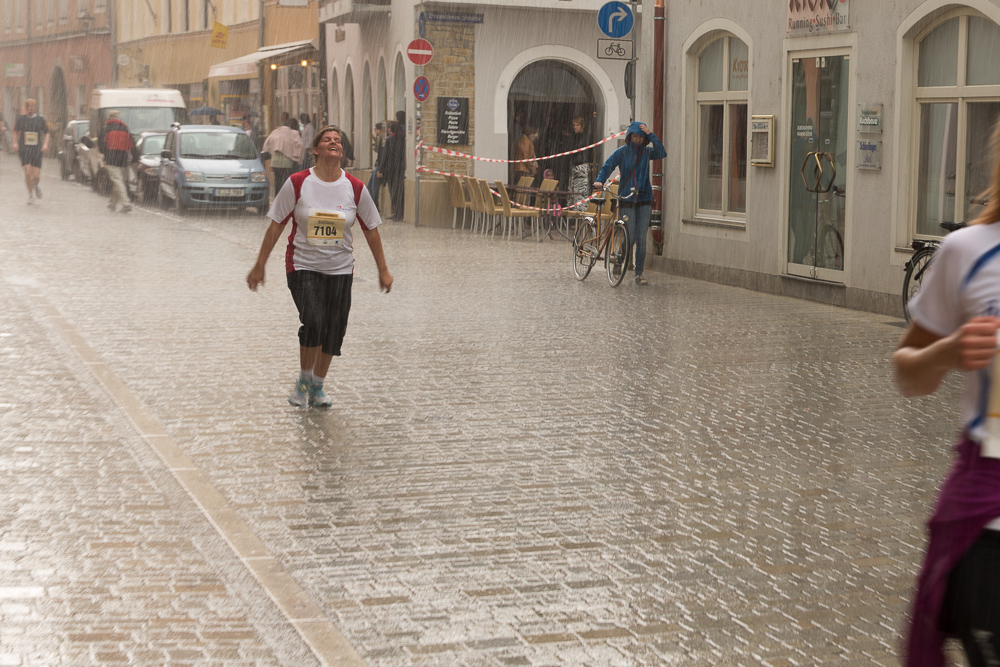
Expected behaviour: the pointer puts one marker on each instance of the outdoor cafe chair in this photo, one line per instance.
(459, 200)
(478, 206)
(493, 212)
(512, 215)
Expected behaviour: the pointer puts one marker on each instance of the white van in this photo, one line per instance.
(142, 109)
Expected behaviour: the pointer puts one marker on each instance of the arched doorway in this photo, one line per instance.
(380, 95)
(334, 110)
(366, 117)
(57, 95)
(347, 124)
(399, 81)
(548, 95)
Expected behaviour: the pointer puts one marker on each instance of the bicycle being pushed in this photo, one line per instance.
(597, 239)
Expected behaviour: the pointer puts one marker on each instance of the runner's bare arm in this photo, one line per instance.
(271, 236)
(375, 243)
(923, 358)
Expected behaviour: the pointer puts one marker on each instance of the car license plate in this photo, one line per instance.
(229, 192)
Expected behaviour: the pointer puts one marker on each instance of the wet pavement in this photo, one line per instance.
(519, 468)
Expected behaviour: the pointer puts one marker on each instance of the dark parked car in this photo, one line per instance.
(144, 174)
(68, 151)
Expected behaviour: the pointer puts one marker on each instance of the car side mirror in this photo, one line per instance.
(165, 154)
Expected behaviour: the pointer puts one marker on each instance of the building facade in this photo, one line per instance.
(497, 67)
(55, 51)
(881, 114)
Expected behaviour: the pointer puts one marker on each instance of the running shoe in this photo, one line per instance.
(31, 199)
(38, 191)
(639, 280)
(300, 393)
(126, 208)
(318, 398)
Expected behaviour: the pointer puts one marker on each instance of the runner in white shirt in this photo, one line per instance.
(323, 204)
(954, 327)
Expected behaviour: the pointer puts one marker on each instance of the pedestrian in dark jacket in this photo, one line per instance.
(635, 191)
(115, 143)
(393, 167)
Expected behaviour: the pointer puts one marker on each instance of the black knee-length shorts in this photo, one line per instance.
(324, 303)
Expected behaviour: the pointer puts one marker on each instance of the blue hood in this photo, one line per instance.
(634, 129)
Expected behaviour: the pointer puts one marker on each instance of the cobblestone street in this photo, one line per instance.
(519, 468)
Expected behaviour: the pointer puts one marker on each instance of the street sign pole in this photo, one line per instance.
(420, 52)
(634, 63)
(416, 173)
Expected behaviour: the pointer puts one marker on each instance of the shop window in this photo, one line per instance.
(723, 78)
(957, 108)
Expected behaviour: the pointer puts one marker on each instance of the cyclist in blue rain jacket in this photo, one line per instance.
(632, 161)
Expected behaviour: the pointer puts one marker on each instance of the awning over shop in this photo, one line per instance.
(246, 66)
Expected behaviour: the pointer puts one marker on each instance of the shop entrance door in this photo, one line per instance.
(818, 166)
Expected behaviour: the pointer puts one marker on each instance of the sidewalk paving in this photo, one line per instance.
(519, 468)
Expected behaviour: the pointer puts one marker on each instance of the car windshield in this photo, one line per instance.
(144, 119)
(80, 129)
(217, 145)
(152, 145)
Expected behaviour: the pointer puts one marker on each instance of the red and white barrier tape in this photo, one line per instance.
(555, 209)
(450, 153)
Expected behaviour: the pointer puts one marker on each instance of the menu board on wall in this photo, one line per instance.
(818, 17)
(453, 121)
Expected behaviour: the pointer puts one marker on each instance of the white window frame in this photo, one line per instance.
(906, 115)
(961, 94)
(727, 99)
(697, 221)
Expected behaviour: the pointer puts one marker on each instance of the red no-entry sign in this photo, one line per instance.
(420, 52)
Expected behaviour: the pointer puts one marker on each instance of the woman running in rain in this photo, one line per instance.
(954, 326)
(323, 203)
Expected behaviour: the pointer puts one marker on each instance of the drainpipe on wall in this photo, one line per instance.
(659, 57)
(113, 29)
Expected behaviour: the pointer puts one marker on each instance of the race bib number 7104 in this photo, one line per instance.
(325, 228)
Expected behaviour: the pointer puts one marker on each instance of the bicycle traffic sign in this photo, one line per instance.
(615, 19)
(615, 49)
(421, 88)
(420, 52)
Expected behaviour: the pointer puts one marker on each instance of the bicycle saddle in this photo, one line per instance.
(598, 200)
(952, 226)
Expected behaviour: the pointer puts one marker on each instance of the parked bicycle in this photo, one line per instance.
(596, 239)
(918, 266)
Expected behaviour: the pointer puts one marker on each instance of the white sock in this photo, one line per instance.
(317, 380)
(305, 375)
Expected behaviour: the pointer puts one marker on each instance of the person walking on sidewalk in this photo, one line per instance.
(283, 147)
(31, 139)
(954, 324)
(392, 168)
(632, 161)
(323, 205)
(116, 145)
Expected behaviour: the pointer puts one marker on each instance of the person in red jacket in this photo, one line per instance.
(115, 143)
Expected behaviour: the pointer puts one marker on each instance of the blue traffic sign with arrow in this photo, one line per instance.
(615, 19)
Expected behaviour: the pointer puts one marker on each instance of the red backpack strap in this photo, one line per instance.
(297, 178)
(358, 186)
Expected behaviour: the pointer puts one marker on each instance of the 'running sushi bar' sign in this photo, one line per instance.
(817, 17)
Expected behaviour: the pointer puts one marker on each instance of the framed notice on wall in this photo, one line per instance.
(762, 141)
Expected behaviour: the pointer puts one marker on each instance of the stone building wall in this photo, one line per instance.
(452, 73)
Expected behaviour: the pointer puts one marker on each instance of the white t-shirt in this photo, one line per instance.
(321, 238)
(962, 282)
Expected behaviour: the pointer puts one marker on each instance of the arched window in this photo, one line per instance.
(721, 98)
(958, 86)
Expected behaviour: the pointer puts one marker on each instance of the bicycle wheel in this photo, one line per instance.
(831, 249)
(916, 270)
(585, 248)
(616, 256)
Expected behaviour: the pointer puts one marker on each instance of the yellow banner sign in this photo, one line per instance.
(220, 35)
